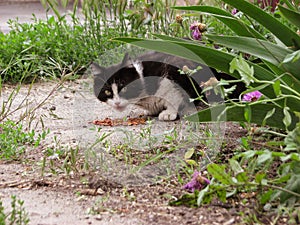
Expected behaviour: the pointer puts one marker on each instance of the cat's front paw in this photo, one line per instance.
(167, 115)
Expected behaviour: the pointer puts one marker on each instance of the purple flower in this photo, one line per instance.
(252, 96)
(197, 30)
(234, 11)
(196, 34)
(197, 182)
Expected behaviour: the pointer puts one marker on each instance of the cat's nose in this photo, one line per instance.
(117, 103)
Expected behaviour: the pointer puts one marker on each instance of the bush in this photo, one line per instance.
(49, 49)
(55, 47)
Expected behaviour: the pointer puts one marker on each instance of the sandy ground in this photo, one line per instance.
(68, 113)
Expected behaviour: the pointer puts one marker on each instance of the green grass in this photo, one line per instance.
(14, 140)
(17, 215)
(52, 48)
(49, 49)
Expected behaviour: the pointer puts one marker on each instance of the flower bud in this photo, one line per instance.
(179, 19)
(185, 69)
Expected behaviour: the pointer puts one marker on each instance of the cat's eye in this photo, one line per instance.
(124, 89)
(107, 92)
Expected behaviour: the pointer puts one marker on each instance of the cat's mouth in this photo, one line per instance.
(119, 108)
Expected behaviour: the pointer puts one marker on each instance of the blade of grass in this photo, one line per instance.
(292, 16)
(285, 34)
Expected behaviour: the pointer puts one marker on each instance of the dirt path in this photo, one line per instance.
(124, 197)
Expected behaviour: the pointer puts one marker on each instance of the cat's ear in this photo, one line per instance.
(126, 60)
(96, 69)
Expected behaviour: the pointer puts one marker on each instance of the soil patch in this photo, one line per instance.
(113, 189)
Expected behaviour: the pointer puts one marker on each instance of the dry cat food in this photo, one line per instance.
(120, 122)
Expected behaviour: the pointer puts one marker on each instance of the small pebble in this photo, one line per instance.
(98, 217)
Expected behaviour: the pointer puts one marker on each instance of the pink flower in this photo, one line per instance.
(197, 182)
(252, 96)
(196, 34)
(197, 30)
(234, 11)
(194, 25)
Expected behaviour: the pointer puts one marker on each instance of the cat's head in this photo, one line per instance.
(117, 85)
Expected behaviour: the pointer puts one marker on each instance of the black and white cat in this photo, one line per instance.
(153, 82)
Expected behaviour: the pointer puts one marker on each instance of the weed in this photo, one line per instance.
(128, 194)
(17, 215)
(62, 159)
(99, 206)
(2, 214)
(48, 49)
(14, 141)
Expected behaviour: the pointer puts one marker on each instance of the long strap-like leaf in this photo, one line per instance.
(264, 50)
(291, 15)
(285, 34)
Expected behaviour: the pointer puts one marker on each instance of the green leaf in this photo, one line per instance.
(264, 50)
(268, 115)
(282, 179)
(225, 17)
(221, 194)
(239, 172)
(259, 177)
(295, 157)
(235, 166)
(169, 38)
(278, 154)
(246, 71)
(189, 200)
(232, 193)
(187, 50)
(235, 113)
(247, 113)
(188, 154)
(275, 69)
(292, 185)
(204, 194)
(292, 140)
(191, 162)
(287, 119)
(267, 155)
(219, 173)
(248, 154)
(291, 15)
(266, 196)
(285, 34)
(293, 57)
(276, 87)
(242, 177)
